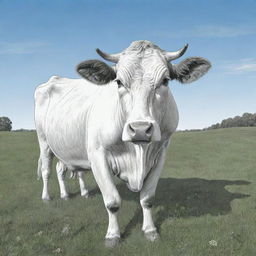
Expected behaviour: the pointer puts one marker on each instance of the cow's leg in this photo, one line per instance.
(61, 171)
(110, 195)
(45, 161)
(146, 197)
(83, 189)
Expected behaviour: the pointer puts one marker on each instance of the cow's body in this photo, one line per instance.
(90, 115)
(111, 129)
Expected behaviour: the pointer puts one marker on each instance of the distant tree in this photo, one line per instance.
(237, 120)
(5, 124)
(252, 120)
(216, 126)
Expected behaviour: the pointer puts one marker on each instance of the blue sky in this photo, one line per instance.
(39, 39)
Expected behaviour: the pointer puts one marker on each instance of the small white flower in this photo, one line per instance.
(65, 230)
(18, 238)
(58, 250)
(213, 243)
(39, 233)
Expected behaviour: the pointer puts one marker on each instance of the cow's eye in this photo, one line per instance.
(119, 83)
(165, 82)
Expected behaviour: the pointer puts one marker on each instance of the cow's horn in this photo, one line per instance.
(175, 55)
(110, 57)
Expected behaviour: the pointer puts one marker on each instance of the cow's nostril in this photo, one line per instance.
(131, 130)
(149, 130)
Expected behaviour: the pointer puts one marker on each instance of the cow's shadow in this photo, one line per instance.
(184, 198)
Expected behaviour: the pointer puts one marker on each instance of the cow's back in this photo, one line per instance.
(61, 109)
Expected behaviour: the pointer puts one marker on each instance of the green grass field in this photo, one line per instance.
(207, 192)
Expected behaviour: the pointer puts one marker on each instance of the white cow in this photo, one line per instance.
(116, 121)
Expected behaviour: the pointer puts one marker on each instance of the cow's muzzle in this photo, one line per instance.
(141, 132)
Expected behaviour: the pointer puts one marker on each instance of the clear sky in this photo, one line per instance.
(39, 39)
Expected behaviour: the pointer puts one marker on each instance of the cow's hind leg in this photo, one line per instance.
(61, 170)
(110, 195)
(146, 198)
(44, 164)
(83, 189)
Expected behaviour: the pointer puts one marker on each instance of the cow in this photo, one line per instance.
(116, 120)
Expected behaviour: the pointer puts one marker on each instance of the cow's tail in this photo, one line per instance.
(39, 169)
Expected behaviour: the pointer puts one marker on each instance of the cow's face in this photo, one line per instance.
(141, 74)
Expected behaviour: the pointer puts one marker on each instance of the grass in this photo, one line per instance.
(207, 192)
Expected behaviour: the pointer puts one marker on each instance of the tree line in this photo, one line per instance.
(246, 120)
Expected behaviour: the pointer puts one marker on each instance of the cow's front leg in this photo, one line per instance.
(112, 200)
(146, 198)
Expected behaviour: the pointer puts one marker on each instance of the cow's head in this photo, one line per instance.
(141, 73)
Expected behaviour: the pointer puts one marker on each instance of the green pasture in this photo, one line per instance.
(205, 202)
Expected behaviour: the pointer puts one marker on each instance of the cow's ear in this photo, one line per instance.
(96, 71)
(190, 69)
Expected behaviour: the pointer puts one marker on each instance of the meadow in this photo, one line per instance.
(205, 202)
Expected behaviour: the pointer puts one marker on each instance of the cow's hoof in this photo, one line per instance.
(86, 195)
(66, 197)
(112, 242)
(46, 199)
(152, 236)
